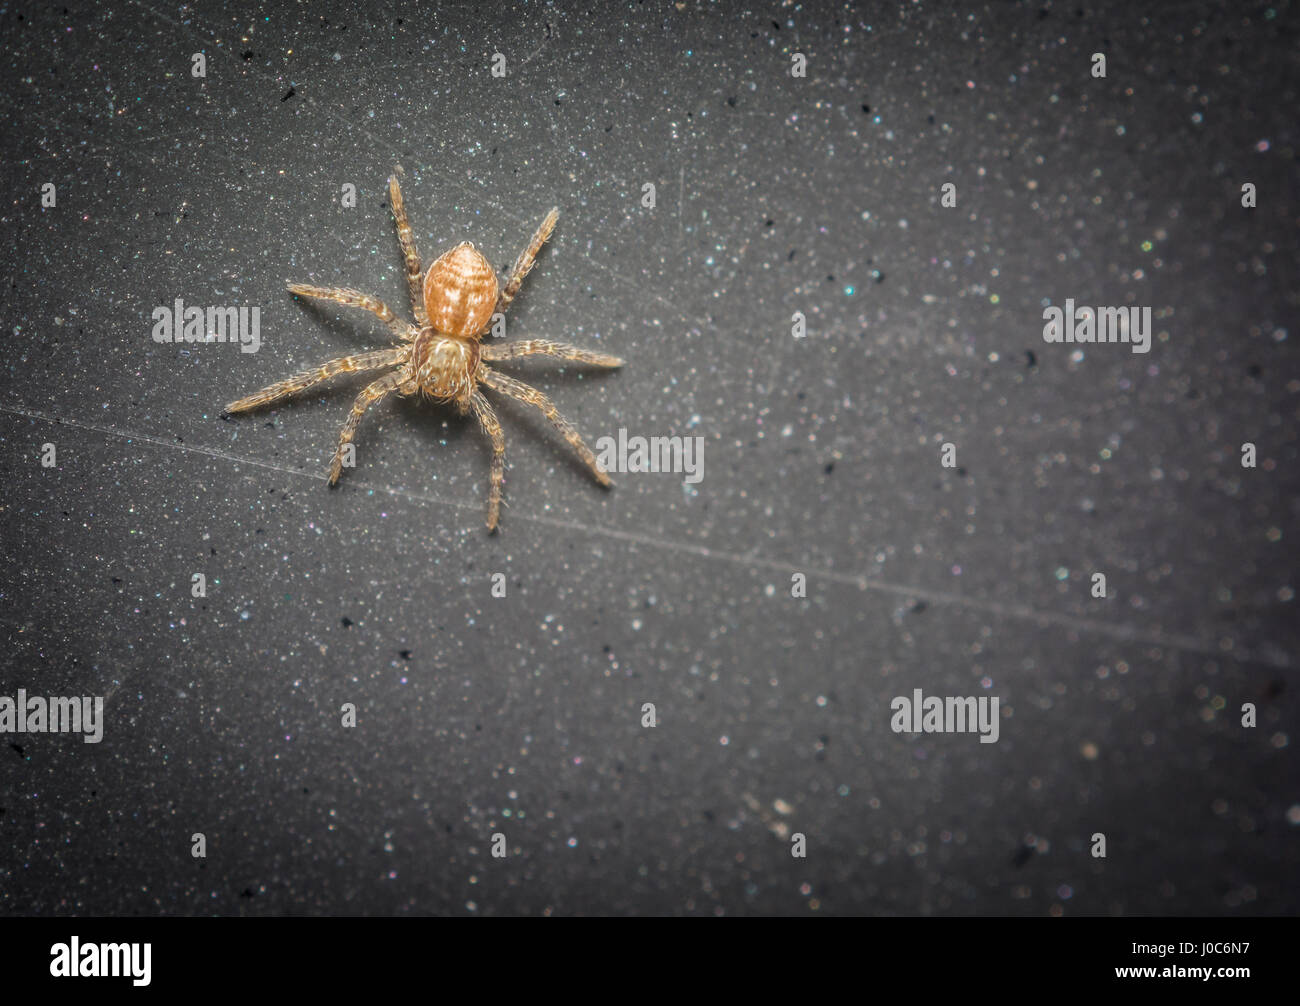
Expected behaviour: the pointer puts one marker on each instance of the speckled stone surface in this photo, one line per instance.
(522, 716)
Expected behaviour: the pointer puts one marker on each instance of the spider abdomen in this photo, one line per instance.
(444, 365)
(460, 292)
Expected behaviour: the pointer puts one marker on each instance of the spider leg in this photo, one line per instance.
(414, 272)
(372, 393)
(545, 347)
(487, 419)
(526, 393)
(355, 298)
(300, 382)
(524, 263)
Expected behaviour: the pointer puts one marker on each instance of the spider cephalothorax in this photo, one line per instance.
(441, 355)
(445, 365)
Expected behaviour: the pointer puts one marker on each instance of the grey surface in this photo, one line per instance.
(522, 715)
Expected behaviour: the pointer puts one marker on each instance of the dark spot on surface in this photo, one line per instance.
(1254, 370)
(246, 55)
(1274, 688)
(732, 102)
(289, 94)
(768, 223)
(919, 607)
(830, 468)
(557, 101)
(347, 622)
(790, 257)
(1022, 856)
(961, 472)
(930, 119)
(776, 25)
(247, 892)
(404, 654)
(19, 749)
(866, 109)
(1030, 359)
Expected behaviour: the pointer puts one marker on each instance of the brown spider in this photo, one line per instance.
(442, 356)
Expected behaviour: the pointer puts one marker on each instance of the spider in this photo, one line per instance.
(442, 355)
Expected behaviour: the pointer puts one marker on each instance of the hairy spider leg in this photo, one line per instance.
(355, 298)
(373, 393)
(526, 393)
(524, 263)
(544, 347)
(487, 419)
(406, 238)
(373, 360)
